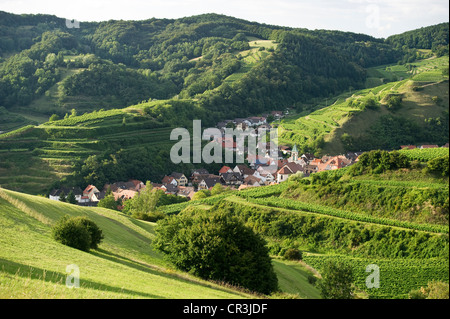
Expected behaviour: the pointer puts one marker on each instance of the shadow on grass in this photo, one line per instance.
(30, 272)
(101, 253)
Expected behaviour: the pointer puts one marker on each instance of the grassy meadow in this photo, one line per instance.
(33, 265)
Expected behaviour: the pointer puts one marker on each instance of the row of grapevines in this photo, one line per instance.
(426, 154)
(256, 192)
(396, 277)
(71, 121)
(325, 210)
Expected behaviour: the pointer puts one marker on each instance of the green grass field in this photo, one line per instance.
(33, 265)
(293, 279)
(252, 56)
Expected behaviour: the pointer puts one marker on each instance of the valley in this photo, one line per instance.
(361, 181)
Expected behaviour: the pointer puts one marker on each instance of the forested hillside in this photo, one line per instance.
(209, 67)
(164, 58)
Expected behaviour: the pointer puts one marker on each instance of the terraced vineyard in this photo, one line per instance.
(296, 205)
(397, 277)
(424, 155)
(346, 115)
(409, 253)
(53, 148)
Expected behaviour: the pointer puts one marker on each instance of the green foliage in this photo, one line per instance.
(144, 202)
(31, 72)
(219, 247)
(71, 198)
(394, 102)
(337, 281)
(434, 290)
(217, 189)
(201, 194)
(318, 232)
(123, 86)
(439, 165)
(296, 177)
(62, 197)
(77, 232)
(53, 118)
(433, 37)
(95, 233)
(379, 161)
(293, 254)
(397, 276)
(145, 205)
(108, 202)
(410, 198)
(426, 154)
(332, 211)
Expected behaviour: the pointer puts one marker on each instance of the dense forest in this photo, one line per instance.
(120, 63)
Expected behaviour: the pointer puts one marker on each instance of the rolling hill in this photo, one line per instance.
(396, 219)
(125, 265)
(342, 125)
(97, 104)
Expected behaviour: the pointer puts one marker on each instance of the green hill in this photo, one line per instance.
(118, 87)
(33, 265)
(349, 123)
(394, 218)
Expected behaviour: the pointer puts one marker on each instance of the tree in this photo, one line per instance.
(439, 165)
(62, 196)
(217, 189)
(296, 177)
(394, 102)
(77, 232)
(215, 245)
(293, 254)
(53, 118)
(96, 234)
(109, 202)
(144, 204)
(337, 281)
(201, 194)
(71, 198)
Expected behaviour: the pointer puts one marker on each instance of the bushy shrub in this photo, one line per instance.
(293, 254)
(77, 232)
(95, 232)
(312, 279)
(217, 246)
(439, 165)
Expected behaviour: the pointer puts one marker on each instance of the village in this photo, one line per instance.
(259, 172)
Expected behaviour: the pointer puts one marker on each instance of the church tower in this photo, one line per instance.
(294, 154)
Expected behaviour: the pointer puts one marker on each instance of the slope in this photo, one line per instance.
(32, 265)
(396, 219)
(365, 119)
